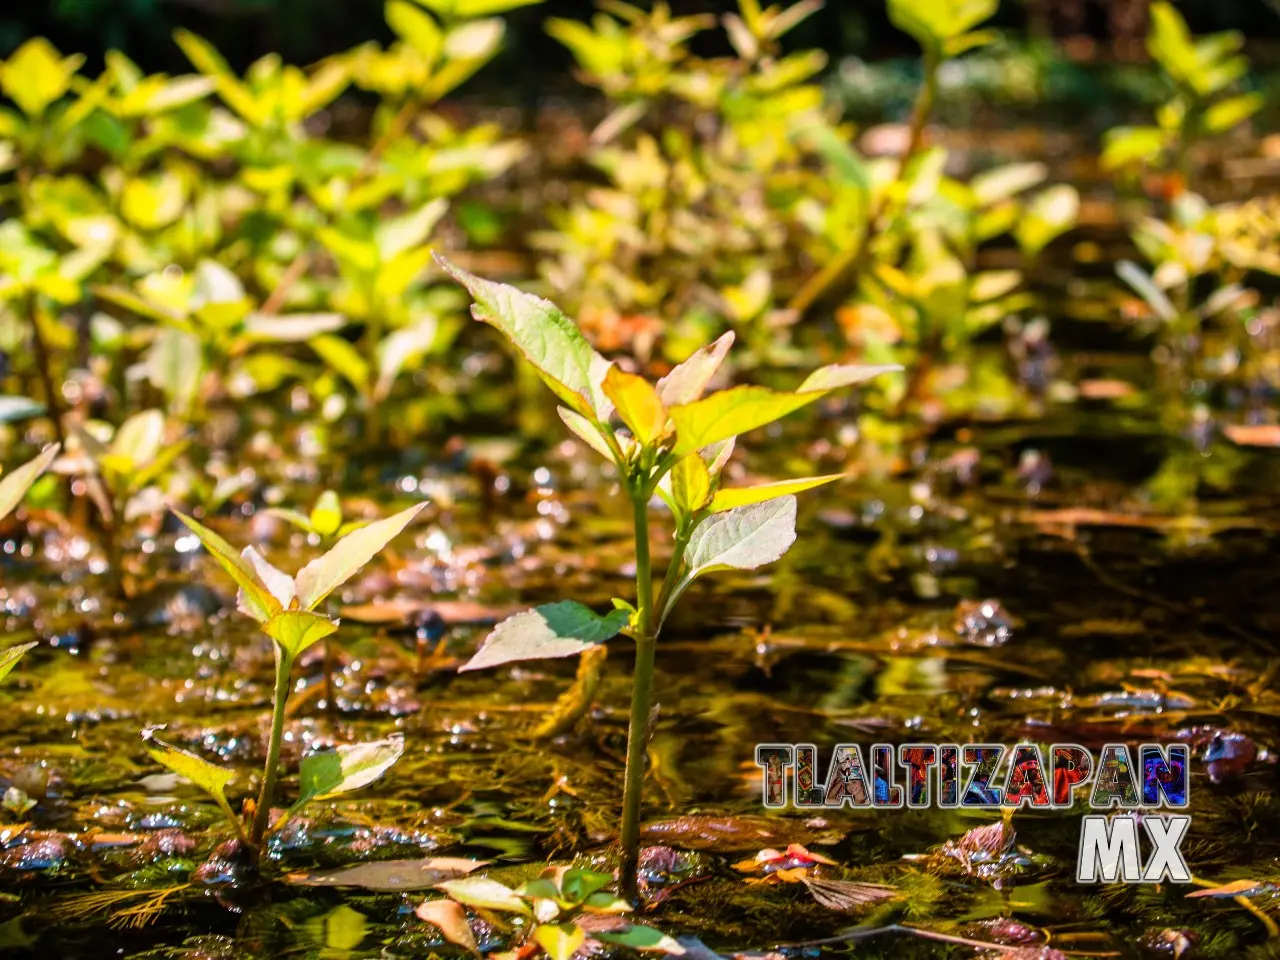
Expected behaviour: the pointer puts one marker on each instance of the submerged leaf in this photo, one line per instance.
(390, 874)
(322, 576)
(485, 894)
(548, 339)
(9, 658)
(551, 630)
(450, 919)
(349, 767)
(14, 485)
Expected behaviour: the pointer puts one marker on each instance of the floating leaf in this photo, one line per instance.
(639, 937)
(14, 485)
(552, 630)
(687, 381)
(450, 919)
(560, 941)
(349, 767)
(9, 657)
(255, 599)
(741, 539)
(390, 874)
(322, 576)
(209, 777)
(295, 630)
(637, 403)
(484, 894)
(742, 496)
(547, 339)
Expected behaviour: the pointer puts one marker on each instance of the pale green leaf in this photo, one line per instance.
(296, 630)
(343, 358)
(933, 22)
(15, 484)
(485, 894)
(744, 496)
(1050, 214)
(1007, 181)
(174, 364)
(139, 438)
(291, 327)
(552, 630)
(690, 484)
(548, 339)
(322, 576)
(586, 431)
(279, 583)
(9, 657)
(687, 381)
(639, 937)
(348, 768)
(1145, 287)
(209, 777)
(254, 599)
(415, 28)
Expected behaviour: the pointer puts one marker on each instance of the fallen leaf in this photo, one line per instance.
(390, 874)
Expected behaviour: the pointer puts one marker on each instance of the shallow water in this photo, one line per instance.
(1135, 566)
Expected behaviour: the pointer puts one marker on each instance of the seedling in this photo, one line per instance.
(13, 487)
(285, 607)
(675, 444)
(561, 910)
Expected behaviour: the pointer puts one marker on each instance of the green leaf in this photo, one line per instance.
(174, 363)
(637, 403)
(551, 630)
(349, 767)
(639, 937)
(235, 94)
(741, 409)
(209, 777)
(254, 598)
(577, 884)
(397, 235)
(744, 496)
(139, 438)
(1170, 43)
(1050, 214)
(485, 894)
(1225, 114)
(740, 539)
(933, 22)
(586, 431)
(687, 381)
(343, 358)
(14, 485)
(849, 166)
(690, 484)
(9, 657)
(322, 576)
(416, 29)
(547, 338)
(450, 919)
(560, 941)
(295, 630)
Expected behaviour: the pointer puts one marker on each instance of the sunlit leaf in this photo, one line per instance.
(342, 357)
(295, 630)
(484, 894)
(255, 599)
(9, 657)
(1145, 287)
(415, 28)
(637, 403)
(322, 576)
(690, 483)
(586, 431)
(326, 515)
(277, 582)
(450, 919)
(560, 941)
(390, 875)
(347, 768)
(1050, 213)
(15, 484)
(743, 496)
(1007, 181)
(933, 22)
(291, 327)
(138, 439)
(209, 777)
(548, 339)
(552, 630)
(687, 381)
(742, 539)
(36, 75)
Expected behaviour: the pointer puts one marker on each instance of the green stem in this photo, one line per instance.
(262, 816)
(44, 364)
(641, 697)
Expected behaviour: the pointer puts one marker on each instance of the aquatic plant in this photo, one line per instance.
(563, 908)
(286, 609)
(13, 487)
(674, 446)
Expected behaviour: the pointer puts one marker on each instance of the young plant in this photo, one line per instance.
(13, 487)
(675, 443)
(285, 608)
(563, 909)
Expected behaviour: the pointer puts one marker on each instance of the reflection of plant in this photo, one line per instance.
(13, 487)
(675, 444)
(285, 607)
(568, 907)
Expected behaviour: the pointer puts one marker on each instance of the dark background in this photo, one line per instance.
(303, 31)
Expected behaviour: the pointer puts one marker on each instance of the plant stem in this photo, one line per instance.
(853, 258)
(262, 816)
(44, 362)
(641, 696)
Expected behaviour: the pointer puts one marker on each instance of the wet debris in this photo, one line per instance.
(728, 833)
(796, 864)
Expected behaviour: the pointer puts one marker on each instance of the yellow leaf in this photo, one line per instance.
(690, 483)
(637, 404)
(741, 496)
